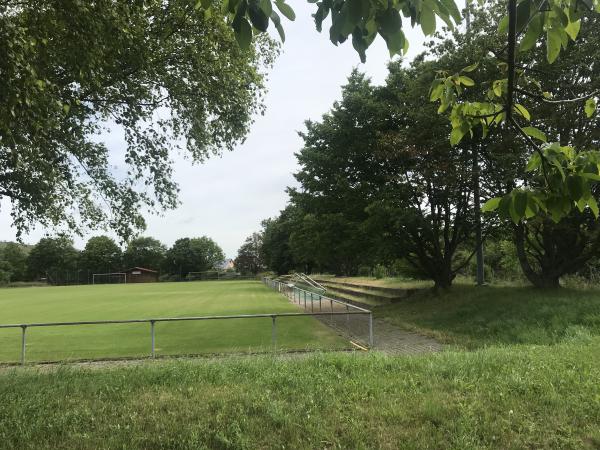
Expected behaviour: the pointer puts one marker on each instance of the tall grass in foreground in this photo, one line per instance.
(503, 397)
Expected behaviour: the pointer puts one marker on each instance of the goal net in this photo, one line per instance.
(109, 278)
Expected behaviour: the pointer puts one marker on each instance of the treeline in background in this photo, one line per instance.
(381, 191)
(55, 260)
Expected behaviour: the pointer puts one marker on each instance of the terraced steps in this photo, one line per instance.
(384, 291)
(362, 294)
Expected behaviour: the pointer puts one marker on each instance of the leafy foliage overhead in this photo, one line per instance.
(157, 72)
(360, 21)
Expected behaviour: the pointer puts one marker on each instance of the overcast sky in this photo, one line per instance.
(226, 198)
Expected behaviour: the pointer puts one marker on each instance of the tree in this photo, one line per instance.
(144, 252)
(249, 259)
(101, 255)
(72, 69)
(193, 255)
(339, 177)
(15, 257)
(379, 181)
(275, 251)
(53, 258)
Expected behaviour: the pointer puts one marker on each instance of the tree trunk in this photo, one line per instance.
(544, 279)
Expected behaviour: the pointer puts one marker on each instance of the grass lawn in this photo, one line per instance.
(472, 317)
(502, 398)
(524, 372)
(135, 301)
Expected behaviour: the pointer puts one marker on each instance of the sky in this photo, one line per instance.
(227, 197)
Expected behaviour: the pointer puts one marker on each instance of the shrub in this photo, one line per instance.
(380, 271)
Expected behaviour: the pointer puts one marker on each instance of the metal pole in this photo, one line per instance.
(152, 335)
(348, 318)
(331, 316)
(320, 305)
(312, 304)
(370, 330)
(304, 299)
(23, 328)
(274, 333)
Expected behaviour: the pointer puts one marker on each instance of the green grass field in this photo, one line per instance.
(140, 301)
(523, 371)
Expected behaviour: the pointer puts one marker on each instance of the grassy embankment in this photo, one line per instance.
(533, 381)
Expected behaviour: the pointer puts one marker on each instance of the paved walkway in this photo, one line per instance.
(391, 339)
(387, 337)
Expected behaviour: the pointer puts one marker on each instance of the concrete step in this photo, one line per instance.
(357, 298)
(384, 291)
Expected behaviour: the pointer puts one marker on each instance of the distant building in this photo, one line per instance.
(227, 264)
(141, 275)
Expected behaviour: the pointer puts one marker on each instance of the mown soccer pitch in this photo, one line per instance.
(147, 301)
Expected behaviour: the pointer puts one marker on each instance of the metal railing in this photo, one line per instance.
(25, 326)
(338, 309)
(310, 282)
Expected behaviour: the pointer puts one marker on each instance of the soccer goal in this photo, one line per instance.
(109, 278)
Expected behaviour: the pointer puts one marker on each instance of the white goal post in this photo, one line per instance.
(108, 278)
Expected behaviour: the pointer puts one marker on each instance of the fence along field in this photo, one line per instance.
(146, 301)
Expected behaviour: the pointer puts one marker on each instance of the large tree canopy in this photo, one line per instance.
(193, 255)
(161, 72)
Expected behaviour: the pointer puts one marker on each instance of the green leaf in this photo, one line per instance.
(534, 31)
(396, 43)
(523, 111)
(520, 204)
(258, 18)
(266, 7)
(355, 11)
(471, 68)
(503, 25)
(243, 34)
(466, 81)
(491, 205)
(534, 162)
(456, 136)
(427, 20)
(389, 21)
(593, 206)
(285, 9)
(554, 42)
(590, 107)
(437, 88)
(573, 29)
(277, 22)
(536, 134)
(591, 176)
(450, 5)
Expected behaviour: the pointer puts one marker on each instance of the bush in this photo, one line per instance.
(380, 271)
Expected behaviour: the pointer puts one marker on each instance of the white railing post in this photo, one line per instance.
(274, 333)
(23, 329)
(370, 330)
(152, 336)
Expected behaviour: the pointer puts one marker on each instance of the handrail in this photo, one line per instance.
(293, 289)
(308, 280)
(169, 319)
